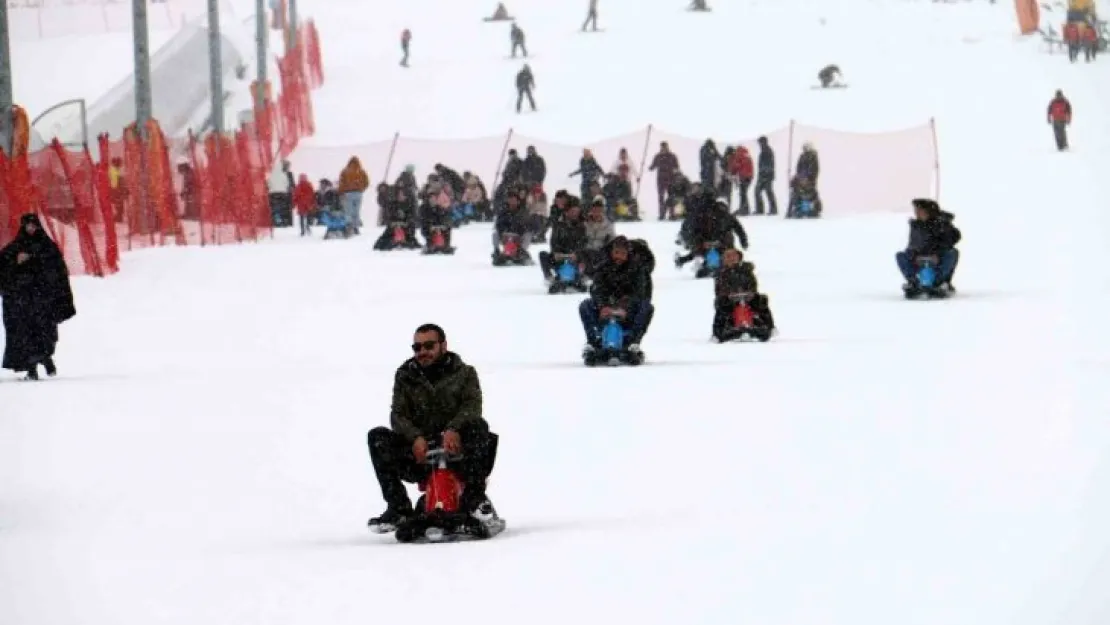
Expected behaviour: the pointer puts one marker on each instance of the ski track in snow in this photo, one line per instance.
(202, 458)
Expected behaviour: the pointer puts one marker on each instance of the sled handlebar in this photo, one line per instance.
(434, 456)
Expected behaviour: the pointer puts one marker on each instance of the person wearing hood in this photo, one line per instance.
(742, 169)
(353, 183)
(712, 227)
(932, 233)
(304, 201)
(37, 297)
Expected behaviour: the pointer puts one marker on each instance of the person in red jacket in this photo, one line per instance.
(1072, 39)
(1089, 41)
(742, 168)
(304, 201)
(1059, 115)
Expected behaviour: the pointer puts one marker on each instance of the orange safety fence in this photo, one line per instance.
(161, 191)
(860, 173)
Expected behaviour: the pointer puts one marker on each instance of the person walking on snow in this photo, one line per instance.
(406, 38)
(591, 17)
(516, 36)
(1059, 115)
(525, 83)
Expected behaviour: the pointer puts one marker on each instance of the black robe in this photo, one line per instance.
(36, 297)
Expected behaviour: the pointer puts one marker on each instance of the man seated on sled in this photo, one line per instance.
(804, 199)
(932, 235)
(735, 283)
(436, 222)
(513, 224)
(712, 228)
(436, 398)
(568, 240)
(619, 283)
(401, 217)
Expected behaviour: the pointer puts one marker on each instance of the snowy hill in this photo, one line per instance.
(202, 459)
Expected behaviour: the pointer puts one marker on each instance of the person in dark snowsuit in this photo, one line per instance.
(514, 221)
(400, 209)
(932, 233)
(1059, 115)
(533, 170)
(804, 184)
(709, 225)
(828, 75)
(568, 236)
(618, 282)
(451, 178)
(516, 36)
(591, 171)
(734, 278)
(591, 17)
(525, 83)
(665, 164)
(709, 159)
(765, 179)
(36, 294)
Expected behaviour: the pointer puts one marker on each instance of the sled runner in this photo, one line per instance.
(438, 517)
(437, 242)
(568, 276)
(745, 323)
(613, 351)
(925, 284)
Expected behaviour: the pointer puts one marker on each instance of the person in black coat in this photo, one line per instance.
(437, 218)
(525, 83)
(619, 282)
(568, 237)
(932, 233)
(451, 178)
(516, 37)
(711, 228)
(710, 159)
(737, 278)
(513, 221)
(533, 170)
(401, 210)
(765, 179)
(591, 171)
(36, 294)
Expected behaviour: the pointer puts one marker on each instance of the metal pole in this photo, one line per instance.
(216, 66)
(140, 33)
(7, 97)
(261, 34)
(144, 111)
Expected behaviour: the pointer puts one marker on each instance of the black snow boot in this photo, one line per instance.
(391, 518)
(51, 369)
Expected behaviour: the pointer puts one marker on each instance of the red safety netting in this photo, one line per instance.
(161, 191)
(860, 172)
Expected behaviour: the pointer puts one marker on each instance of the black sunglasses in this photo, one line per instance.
(426, 346)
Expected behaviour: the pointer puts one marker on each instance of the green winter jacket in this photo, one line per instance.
(423, 408)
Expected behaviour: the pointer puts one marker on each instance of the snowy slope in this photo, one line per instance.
(202, 458)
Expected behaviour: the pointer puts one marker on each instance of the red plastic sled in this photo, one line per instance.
(438, 240)
(742, 316)
(511, 247)
(399, 234)
(442, 489)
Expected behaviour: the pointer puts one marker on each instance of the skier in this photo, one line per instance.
(1059, 115)
(525, 83)
(516, 36)
(436, 396)
(591, 17)
(698, 5)
(406, 37)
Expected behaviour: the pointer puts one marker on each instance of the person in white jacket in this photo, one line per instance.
(279, 186)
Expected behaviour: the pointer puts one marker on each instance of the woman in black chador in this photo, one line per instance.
(34, 286)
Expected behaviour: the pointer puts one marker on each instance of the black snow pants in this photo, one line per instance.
(520, 95)
(394, 464)
(1060, 130)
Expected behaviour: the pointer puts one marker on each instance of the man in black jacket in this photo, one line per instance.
(619, 283)
(713, 227)
(525, 83)
(765, 179)
(533, 170)
(568, 238)
(437, 399)
(515, 222)
(737, 279)
(931, 234)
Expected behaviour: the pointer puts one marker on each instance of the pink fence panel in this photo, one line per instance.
(562, 158)
(860, 173)
(479, 156)
(867, 173)
(326, 162)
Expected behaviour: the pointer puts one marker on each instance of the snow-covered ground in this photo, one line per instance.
(202, 457)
